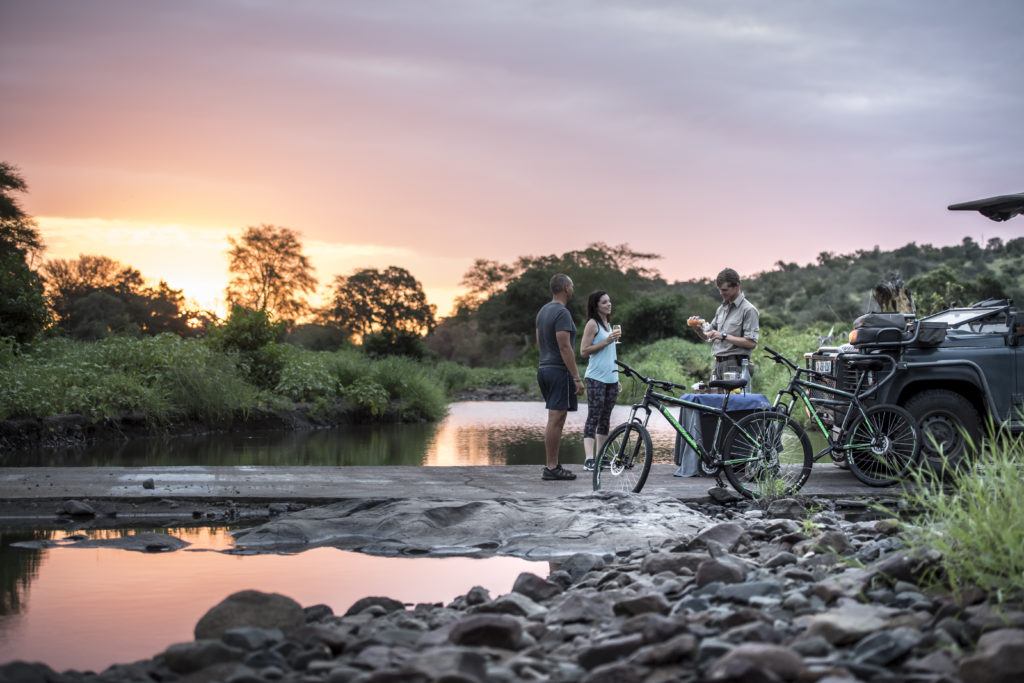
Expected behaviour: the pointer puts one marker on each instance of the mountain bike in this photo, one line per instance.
(880, 443)
(766, 453)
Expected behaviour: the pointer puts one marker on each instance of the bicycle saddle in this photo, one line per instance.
(728, 384)
(866, 364)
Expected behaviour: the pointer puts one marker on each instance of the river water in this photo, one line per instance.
(473, 433)
(88, 608)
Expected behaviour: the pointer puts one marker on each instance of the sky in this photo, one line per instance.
(429, 133)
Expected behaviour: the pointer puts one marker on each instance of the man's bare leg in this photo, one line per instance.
(553, 436)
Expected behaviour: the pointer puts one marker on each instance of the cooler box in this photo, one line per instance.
(702, 425)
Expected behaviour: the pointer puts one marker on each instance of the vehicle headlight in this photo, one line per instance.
(853, 336)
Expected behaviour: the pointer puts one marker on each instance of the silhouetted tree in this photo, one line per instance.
(387, 301)
(23, 311)
(269, 272)
(95, 296)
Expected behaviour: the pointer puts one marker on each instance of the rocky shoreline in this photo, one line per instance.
(794, 592)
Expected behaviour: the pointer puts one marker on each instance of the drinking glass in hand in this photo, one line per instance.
(617, 328)
(706, 327)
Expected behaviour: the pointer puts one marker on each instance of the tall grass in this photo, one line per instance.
(975, 518)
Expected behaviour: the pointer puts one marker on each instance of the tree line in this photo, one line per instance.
(94, 296)
(387, 311)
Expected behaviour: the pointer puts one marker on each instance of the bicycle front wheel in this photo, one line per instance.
(883, 445)
(625, 459)
(767, 455)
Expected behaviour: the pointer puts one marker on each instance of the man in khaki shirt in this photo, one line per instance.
(734, 329)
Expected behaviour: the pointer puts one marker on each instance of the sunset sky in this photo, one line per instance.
(426, 134)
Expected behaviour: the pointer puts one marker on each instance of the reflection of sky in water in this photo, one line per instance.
(86, 608)
(473, 433)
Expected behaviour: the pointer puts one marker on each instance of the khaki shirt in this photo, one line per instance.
(738, 319)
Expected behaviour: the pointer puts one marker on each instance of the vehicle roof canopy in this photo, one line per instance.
(1001, 208)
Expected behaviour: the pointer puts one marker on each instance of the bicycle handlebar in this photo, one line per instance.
(649, 380)
(779, 358)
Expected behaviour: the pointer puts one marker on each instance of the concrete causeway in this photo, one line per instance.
(337, 483)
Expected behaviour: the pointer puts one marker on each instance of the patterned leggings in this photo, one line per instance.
(600, 401)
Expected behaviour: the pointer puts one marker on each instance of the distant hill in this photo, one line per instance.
(836, 288)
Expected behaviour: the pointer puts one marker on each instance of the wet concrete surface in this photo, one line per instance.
(324, 484)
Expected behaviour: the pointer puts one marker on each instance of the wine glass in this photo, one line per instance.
(705, 327)
(617, 328)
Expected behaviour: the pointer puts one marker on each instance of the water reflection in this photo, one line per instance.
(86, 608)
(473, 433)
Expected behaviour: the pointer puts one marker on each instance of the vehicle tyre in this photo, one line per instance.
(883, 445)
(767, 455)
(950, 427)
(624, 460)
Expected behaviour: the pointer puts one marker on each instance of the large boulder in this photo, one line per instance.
(998, 659)
(251, 608)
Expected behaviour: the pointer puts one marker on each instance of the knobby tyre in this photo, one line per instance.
(767, 455)
(883, 445)
(624, 460)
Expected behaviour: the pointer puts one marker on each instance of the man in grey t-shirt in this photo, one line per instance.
(557, 374)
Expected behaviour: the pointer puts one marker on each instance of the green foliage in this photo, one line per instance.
(23, 311)
(414, 390)
(655, 317)
(161, 377)
(944, 288)
(971, 517)
(394, 343)
(317, 337)
(389, 302)
(455, 377)
(95, 297)
(368, 395)
(253, 335)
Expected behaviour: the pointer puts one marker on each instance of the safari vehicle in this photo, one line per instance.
(956, 370)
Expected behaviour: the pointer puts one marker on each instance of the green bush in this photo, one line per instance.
(972, 517)
(394, 343)
(412, 387)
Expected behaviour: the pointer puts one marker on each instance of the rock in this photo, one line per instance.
(387, 604)
(222, 672)
(654, 602)
(579, 564)
(999, 658)
(786, 508)
(452, 664)
(677, 649)
(616, 672)
(146, 542)
(728, 534)
(250, 638)
(939, 662)
(908, 566)
(834, 541)
(535, 588)
(316, 613)
(848, 622)
(886, 647)
(544, 529)
(815, 646)
(609, 651)
(713, 570)
(677, 563)
(781, 559)
(185, 658)
(277, 509)
(478, 595)
(28, 672)
(744, 592)
(724, 496)
(514, 603)
(251, 608)
(148, 484)
(76, 508)
(489, 630)
(577, 607)
(749, 661)
(560, 577)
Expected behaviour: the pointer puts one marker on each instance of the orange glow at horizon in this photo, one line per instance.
(193, 258)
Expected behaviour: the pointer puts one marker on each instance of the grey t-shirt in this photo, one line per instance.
(554, 317)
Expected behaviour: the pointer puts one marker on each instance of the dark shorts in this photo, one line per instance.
(557, 388)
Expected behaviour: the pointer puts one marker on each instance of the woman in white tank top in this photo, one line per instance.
(602, 377)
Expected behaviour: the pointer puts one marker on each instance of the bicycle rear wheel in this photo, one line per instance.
(883, 445)
(767, 454)
(625, 459)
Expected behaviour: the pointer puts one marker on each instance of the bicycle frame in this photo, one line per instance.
(798, 387)
(712, 461)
